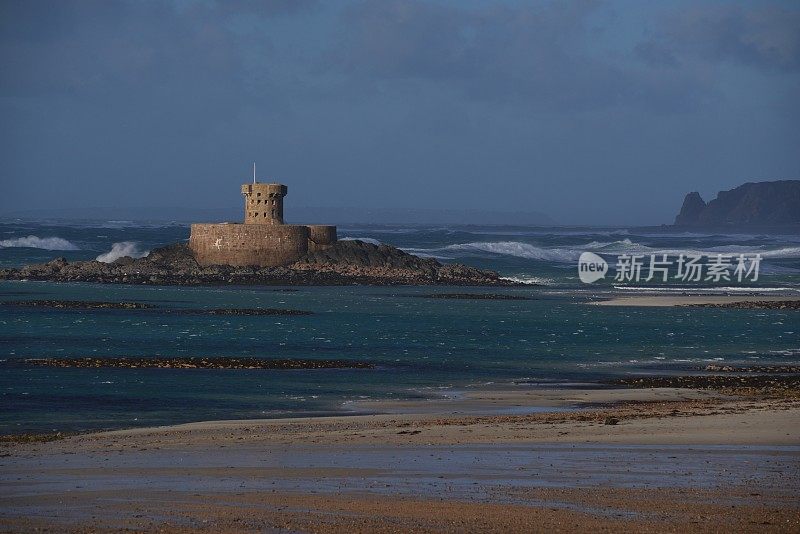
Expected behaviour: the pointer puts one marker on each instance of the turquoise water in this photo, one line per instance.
(421, 346)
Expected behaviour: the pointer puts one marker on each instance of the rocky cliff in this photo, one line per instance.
(752, 204)
(344, 263)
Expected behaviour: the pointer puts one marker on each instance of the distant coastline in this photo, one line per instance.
(334, 215)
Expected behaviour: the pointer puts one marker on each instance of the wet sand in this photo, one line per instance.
(522, 458)
(689, 300)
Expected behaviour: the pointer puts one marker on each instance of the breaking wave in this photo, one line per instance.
(122, 249)
(571, 254)
(364, 239)
(529, 280)
(717, 289)
(46, 243)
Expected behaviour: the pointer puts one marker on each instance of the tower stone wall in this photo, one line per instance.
(263, 245)
(263, 203)
(263, 240)
(320, 236)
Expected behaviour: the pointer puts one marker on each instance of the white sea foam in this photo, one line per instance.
(121, 249)
(422, 253)
(530, 280)
(364, 239)
(726, 289)
(572, 253)
(32, 241)
(384, 230)
(548, 232)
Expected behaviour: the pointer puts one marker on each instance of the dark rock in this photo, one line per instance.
(31, 438)
(780, 385)
(124, 260)
(789, 304)
(752, 204)
(77, 304)
(198, 363)
(243, 312)
(610, 421)
(787, 369)
(693, 205)
(57, 263)
(344, 263)
(457, 275)
(473, 296)
(361, 254)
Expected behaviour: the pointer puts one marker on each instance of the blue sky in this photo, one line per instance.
(590, 111)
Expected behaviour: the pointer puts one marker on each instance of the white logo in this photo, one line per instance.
(591, 267)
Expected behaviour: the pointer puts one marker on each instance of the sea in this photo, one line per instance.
(421, 347)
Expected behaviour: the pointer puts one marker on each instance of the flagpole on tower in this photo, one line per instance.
(254, 172)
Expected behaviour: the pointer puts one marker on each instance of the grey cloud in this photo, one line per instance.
(268, 8)
(765, 37)
(559, 104)
(95, 46)
(655, 55)
(542, 54)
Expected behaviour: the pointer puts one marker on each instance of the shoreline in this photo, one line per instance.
(502, 399)
(623, 458)
(583, 407)
(591, 405)
(648, 301)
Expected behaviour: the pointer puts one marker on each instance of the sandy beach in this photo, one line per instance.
(513, 459)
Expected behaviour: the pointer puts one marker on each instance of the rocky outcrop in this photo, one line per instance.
(473, 296)
(343, 263)
(789, 304)
(89, 305)
(78, 305)
(214, 362)
(246, 312)
(693, 206)
(752, 204)
(368, 264)
(770, 385)
(784, 369)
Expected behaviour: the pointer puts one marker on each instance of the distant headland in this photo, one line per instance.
(754, 204)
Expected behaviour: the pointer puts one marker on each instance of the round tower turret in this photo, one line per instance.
(263, 203)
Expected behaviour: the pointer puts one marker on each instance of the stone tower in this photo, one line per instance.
(263, 203)
(263, 240)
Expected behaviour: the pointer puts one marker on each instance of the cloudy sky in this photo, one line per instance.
(603, 112)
